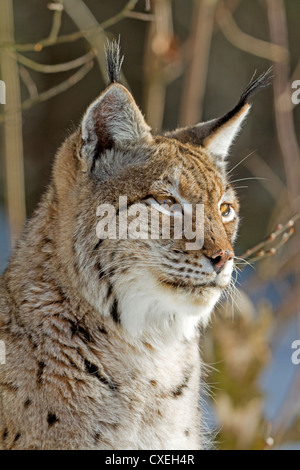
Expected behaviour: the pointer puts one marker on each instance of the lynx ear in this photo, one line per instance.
(113, 120)
(218, 135)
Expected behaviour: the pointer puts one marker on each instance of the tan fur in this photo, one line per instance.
(102, 339)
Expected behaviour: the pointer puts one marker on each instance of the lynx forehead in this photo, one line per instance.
(101, 336)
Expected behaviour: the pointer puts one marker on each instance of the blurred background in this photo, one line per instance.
(185, 61)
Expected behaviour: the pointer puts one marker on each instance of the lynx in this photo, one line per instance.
(102, 335)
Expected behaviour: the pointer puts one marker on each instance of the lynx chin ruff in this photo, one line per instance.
(102, 336)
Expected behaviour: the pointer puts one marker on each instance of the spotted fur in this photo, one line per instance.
(102, 335)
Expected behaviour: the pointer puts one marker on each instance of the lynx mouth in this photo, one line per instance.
(181, 285)
(220, 281)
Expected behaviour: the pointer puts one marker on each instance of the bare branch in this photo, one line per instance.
(38, 46)
(140, 16)
(246, 42)
(158, 46)
(28, 82)
(195, 79)
(84, 19)
(57, 7)
(12, 130)
(283, 114)
(270, 245)
(51, 92)
(63, 86)
(56, 68)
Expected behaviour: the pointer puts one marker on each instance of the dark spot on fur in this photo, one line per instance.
(27, 403)
(81, 332)
(76, 264)
(17, 437)
(91, 368)
(115, 311)
(153, 382)
(180, 388)
(124, 270)
(97, 436)
(109, 290)
(11, 387)
(52, 419)
(98, 244)
(32, 342)
(40, 371)
(99, 270)
(94, 371)
(102, 329)
(5, 434)
(187, 432)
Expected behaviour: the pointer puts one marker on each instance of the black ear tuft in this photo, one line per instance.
(255, 85)
(113, 61)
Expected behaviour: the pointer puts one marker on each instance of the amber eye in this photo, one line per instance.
(225, 209)
(166, 200)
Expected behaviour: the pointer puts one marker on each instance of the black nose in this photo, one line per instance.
(220, 258)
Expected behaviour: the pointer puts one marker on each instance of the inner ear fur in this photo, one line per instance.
(112, 120)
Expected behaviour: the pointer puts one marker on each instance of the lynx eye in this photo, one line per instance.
(166, 204)
(166, 200)
(227, 212)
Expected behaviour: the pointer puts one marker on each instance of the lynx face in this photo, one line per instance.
(155, 281)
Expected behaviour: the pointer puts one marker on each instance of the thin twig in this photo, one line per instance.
(56, 68)
(51, 92)
(38, 46)
(267, 247)
(84, 19)
(60, 88)
(140, 16)
(57, 16)
(28, 82)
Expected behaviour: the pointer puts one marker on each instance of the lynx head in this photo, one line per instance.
(147, 284)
